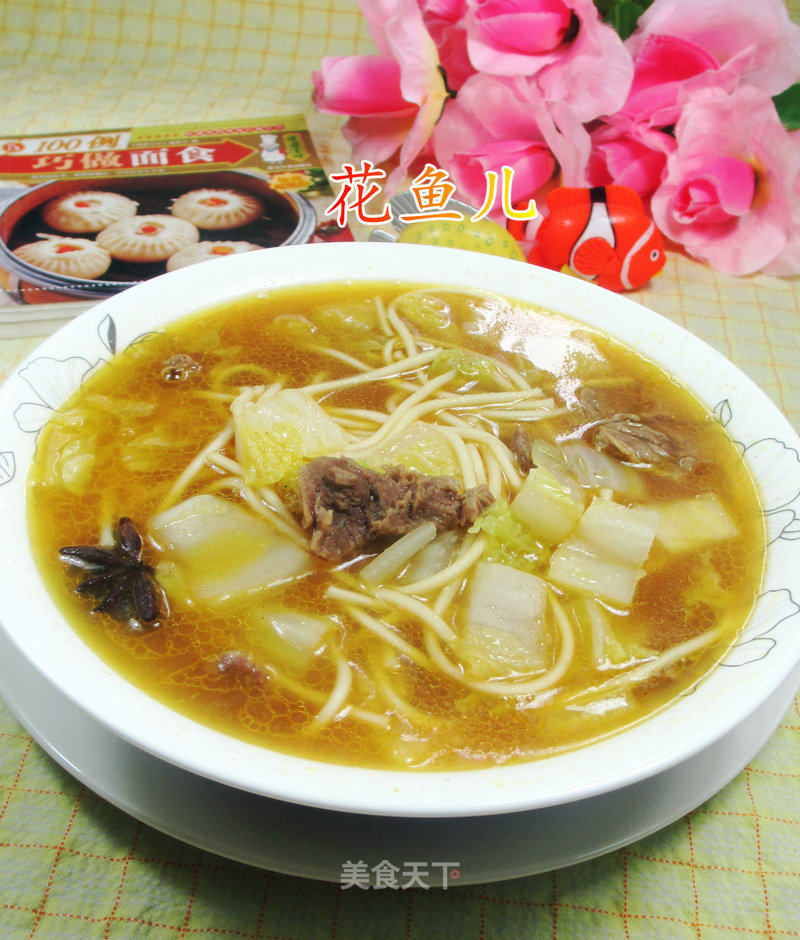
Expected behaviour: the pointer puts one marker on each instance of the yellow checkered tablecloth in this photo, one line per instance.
(73, 866)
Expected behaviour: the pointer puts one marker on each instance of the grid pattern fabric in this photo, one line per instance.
(71, 865)
(105, 63)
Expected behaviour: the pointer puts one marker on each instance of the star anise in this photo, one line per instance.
(118, 577)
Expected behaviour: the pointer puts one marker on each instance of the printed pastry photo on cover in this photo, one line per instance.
(205, 251)
(87, 211)
(217, 208)
(147, 237)
(73, 257)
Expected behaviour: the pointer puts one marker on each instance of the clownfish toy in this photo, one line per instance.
(601, 234)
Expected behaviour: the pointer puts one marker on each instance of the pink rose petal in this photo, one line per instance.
(574, 57)
(730, 191)
(629, 154)
(723, 188)
(363, 85)
(495, 122)
(394, 99)
(756, 37)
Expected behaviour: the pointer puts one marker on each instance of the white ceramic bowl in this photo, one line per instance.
(766, 655)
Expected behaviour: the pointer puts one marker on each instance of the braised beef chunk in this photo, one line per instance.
(519, 443)
(476, 500)
(628, 438)
(653, 439)
(236, 664)
(349, 507)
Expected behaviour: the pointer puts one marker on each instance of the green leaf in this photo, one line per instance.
(787, 104)
(625, 15)
(604, 7)
(622, 15)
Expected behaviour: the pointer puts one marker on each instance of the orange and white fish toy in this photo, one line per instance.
(602, 234)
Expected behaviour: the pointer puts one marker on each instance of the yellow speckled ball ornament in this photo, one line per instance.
(484, 235)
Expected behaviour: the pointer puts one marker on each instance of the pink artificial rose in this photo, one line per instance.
(575, 58)
(394, 99)
(666, 67)
(498, 121)
(443, 21)
(754, 38)
(363, 85)
(629, 154)
(730, 193)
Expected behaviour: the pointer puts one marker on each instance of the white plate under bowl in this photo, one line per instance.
(763, 659)
(316, 843)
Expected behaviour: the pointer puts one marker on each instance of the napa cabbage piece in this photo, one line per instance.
(357, 320)
(68, 444)
(466, 364)
(292, 326)
(607, 649)
(509, 541)
(122, 408)
(548, 455)
(421, 447)
(430, 314)
(70, 462)
(292, 638)
(66, 452)
(279, 431)
(144, 451)
(394, 558)
(546, 507)
(579, 566)
(359, 316)
(433, 558)
(220, 552)
(626, 532)
(599, 471)
(603, 558)
(504, 622)
(688, 524)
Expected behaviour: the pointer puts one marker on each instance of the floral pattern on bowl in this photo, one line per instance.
(776, 467)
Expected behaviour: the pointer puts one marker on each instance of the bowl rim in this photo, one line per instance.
(32, 621)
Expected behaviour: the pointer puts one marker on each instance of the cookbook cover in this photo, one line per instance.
(87, 214)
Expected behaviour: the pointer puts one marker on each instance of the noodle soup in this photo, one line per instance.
(396, 527)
